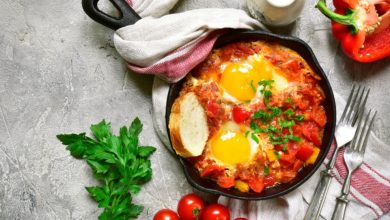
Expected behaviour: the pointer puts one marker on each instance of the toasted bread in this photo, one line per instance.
(188, 126)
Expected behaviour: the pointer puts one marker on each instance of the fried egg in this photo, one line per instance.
(230, 146)
(239, 80)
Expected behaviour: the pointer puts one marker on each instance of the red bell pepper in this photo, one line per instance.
(304, 152)
(362, 27)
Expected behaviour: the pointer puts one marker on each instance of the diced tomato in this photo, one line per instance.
(212, 108)
(278, 147)
(256, 184)
(298, 164)
(319, 116)
(286, 160)
(293, 65)
(226, 181)
(240, 114)
(304, 152)
(287, 176)
(302, 103)
(311, 131)
(292, 147)
(297, 130)
(211, 170)
(269, 180)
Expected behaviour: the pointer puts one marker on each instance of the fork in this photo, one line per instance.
(353, 158)
(345, 131)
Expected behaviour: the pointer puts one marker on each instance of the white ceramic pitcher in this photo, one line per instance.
(275, 12)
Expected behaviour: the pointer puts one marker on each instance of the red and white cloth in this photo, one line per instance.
(171, 45)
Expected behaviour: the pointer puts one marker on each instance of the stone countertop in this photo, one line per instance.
(59, 73)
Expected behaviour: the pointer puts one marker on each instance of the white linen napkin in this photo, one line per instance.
(171, 45)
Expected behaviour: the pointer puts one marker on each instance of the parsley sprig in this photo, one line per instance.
(118, 162)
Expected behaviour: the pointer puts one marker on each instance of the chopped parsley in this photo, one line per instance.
(275, 111)
(272, 128)
(289, 100)
(254, 137)
(277, 154)
(266, 171)
(284, 149)
(289, 112)
(253, 87)
(299, 117)
(264, 116)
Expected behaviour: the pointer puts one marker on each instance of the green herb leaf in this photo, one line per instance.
(272, 128)
(118, 162)
(261, 114)
(146, 151)
(286, 123)
(277, 154)
(289, 100)
(253, 87)
(275, 111)
(299, 117)
(266, 171)
(266, 83)
(255, 138)
(289, 112)
(284, 148)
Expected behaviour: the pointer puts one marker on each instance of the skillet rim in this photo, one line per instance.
(238, 35)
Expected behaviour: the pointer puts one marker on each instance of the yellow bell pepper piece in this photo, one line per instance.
(241, 186)
(312, 159)
(271, 155)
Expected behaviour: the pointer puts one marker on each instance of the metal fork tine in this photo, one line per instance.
(356, 105)
(364, 145)
(363, 131)
(348, 103)
(352, 107)
(358, 129)
(361, 108)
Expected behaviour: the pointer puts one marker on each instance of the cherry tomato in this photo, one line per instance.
(305, 152)
(216, 212)
(166, 214)
(240, 114)
(226, 182)
(190, 207)
(240, 218)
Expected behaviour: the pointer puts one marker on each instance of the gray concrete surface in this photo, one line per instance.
(59, 73)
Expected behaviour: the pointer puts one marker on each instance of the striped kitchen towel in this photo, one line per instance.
(171, 45)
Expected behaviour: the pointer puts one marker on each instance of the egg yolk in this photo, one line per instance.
(230, 147)
(240, 79)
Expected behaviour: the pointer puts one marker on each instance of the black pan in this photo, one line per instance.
(129, 16)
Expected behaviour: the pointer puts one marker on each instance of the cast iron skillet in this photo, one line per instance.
(129, 16)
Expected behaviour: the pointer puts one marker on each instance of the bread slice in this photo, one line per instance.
(188, 126)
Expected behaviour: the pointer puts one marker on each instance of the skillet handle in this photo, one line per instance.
(127, 15)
